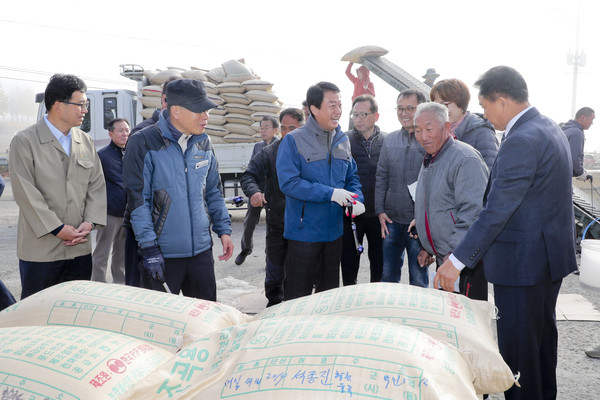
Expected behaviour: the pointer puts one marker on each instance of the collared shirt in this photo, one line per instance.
(64, 140)
(512, 122)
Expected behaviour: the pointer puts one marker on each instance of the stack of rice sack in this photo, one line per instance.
(243, 99)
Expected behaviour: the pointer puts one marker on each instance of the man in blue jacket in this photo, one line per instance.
(174, 193)
(317, 174)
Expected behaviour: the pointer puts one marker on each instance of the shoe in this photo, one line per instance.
(239, 260)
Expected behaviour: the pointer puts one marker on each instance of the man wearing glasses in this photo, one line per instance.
(365, 141)
(58, 184)
(399, 164)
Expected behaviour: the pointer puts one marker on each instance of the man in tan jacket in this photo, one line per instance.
(58, 184)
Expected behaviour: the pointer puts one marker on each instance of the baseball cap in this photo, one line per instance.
(190, 94)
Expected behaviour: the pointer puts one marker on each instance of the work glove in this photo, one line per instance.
(343, 197)
(154, 263)
(589, 178)
(357, 208)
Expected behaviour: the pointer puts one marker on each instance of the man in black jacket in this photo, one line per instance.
(365, 140)
(262, 169)
(112, 236)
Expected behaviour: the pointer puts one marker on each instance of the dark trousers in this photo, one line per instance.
(250, 221)
(528, 337)
(276, 249)
(473, 283)
(194, 276)
(6, 297)
(311, 265)
(370, 227)
(36, 276)
(132, 259)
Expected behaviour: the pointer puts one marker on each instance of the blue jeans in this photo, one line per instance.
(393, 256)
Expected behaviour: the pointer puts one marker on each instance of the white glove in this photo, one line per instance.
(358, 208)
(342, 197)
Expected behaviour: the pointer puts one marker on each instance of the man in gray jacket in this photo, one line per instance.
(584, 118)
(399, 163)
(449, 194)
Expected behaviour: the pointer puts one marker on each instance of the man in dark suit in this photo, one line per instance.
(524, 232)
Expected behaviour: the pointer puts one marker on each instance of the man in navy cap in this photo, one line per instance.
(174, 194)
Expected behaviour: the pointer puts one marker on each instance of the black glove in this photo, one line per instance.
(590, 178)
(154, 263)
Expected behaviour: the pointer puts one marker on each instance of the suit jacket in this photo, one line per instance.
(525, 232)
(52, 189)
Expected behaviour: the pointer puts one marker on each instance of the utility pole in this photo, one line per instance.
(577, 60)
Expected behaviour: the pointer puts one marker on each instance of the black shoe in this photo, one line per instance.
(239, 260)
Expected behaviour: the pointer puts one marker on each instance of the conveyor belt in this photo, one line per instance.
(393, 74)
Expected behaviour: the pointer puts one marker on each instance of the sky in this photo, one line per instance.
(295, 45)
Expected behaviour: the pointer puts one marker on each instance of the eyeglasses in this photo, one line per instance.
(361, 115)
(407, 109)
(84, 106)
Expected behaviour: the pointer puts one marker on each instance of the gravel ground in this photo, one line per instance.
(578, 375)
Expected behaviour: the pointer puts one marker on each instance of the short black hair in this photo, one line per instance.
(273, 120)
(295, 113)
(373, 107)
(315, 94)
(584, 111)
(413, 92)
(112, 122)
(505, 81)
(61, 87)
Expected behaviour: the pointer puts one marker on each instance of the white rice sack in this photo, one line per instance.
(151, 101)
(261, 95)
(256, 127)
(214, 97)
(235, 118)
(216, 119)
(238, 138)
(242, 129)
(217, 139)
(166, 320)
(238, 98)
(194, 74)
(259, 115)
(238, 108)
(211, 87)
(450, 318)
(147, 112)
(264, 106)
(52, 362)
(364, 51)
(152, 90)
(231, 87)
(179, 69)
(164, 76)
(316, 357)
(219, 110)
(216, 130)
(235, 71)
(216, 75)
(257, 84)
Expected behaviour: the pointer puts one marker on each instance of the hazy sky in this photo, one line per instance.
(297, 45)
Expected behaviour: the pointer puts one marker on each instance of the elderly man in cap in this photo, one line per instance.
(174, 195)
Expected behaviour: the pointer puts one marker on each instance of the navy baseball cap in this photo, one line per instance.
(190, 94)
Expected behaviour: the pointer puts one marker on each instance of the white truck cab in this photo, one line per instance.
(105, 105)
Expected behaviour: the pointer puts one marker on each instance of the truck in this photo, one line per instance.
(107, 104)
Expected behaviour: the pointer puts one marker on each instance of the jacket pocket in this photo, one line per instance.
(160, 210)
(84, 171)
